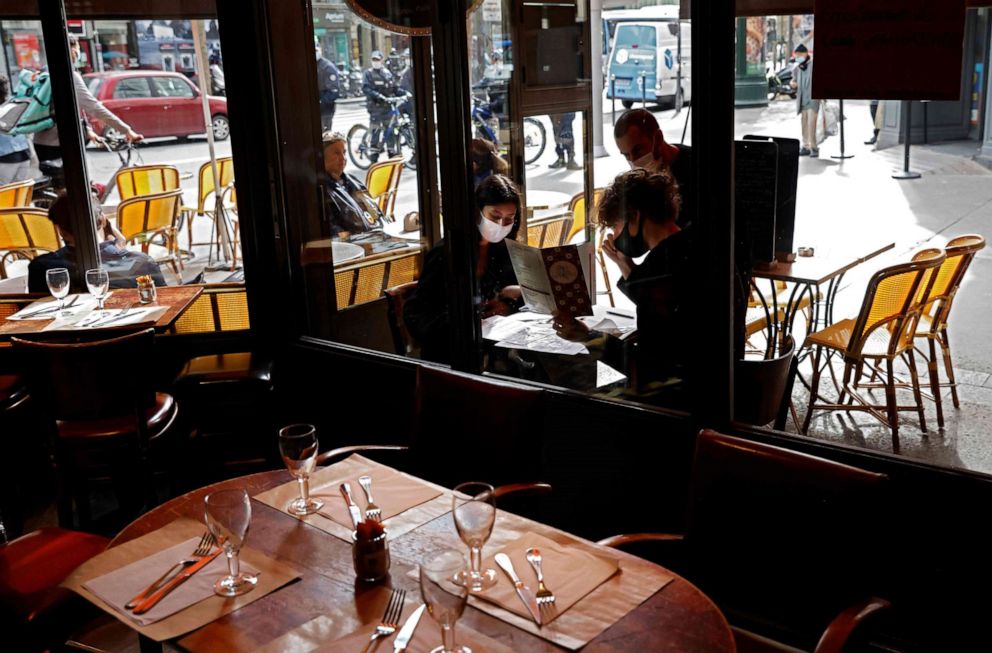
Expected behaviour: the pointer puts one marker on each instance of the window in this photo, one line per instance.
(172, 87)
(132, 87)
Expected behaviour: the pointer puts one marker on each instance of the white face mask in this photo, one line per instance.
(492, 231)
(646, 162)
(377, 65)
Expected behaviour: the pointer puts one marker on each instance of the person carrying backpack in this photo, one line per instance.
(46, 143)
(15, 149)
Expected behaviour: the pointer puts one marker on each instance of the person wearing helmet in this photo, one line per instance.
(379, 86)
(328, 87)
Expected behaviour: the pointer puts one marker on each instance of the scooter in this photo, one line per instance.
(778, 82)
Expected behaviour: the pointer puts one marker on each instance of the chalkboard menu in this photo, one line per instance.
(788, 179)
(755, 201)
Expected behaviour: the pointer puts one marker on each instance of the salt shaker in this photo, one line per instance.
(146, 289)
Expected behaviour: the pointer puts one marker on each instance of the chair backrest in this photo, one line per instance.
(146, 180)
(550, 232)
(960, 253)
(577, 207)
(893, 299)
(781, 536)
(90, 380)
(225, 174)
(395, 299)
(366, 280)
(760, 385)
(148, 213)
(27, 228)
(491, 425)
(218, 308)
(16, 194)
(383, 181)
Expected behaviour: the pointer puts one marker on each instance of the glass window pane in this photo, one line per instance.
(169, 86)
(131, 87)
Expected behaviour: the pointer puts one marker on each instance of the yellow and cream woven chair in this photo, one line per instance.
(207, 190)
(366, 280)
(17, 194)
(146, 180)
(24, 233)
(383, 182)
(146, 217)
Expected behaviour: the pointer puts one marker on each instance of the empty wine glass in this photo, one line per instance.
(58, 285)
(298, 446)
(444, 596)
(98, 283)
(474, 511)
(228, 515)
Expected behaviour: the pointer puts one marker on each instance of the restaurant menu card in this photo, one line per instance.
(555, 278)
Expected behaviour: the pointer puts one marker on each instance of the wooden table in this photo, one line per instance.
(176, 299)
(677, 618)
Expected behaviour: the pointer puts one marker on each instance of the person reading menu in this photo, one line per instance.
(641, 208)
(498, 219)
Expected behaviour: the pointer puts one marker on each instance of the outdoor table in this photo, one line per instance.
(370, 248)
(679, 615)
(539, 200)
(176, 299)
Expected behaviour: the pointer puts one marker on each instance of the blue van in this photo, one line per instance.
(650, 61)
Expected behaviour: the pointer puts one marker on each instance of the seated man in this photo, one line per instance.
(350, 208)
(122, 265)
(642, 208)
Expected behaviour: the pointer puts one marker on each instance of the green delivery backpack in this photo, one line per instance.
(29, 109)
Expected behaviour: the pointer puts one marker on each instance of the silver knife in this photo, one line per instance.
(406, 632)
(356, 514)
(528, 597)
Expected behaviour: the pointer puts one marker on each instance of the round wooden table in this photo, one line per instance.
(678, 617)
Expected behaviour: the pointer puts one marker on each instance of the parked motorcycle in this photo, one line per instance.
(778, 82)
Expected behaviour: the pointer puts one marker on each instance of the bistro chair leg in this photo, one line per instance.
(890, 402)
(916, 390)
(813, 389)
(935, 381)
(843, 386)
(945, 345)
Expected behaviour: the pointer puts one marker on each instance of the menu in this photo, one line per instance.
(755, 201)
(554, 278)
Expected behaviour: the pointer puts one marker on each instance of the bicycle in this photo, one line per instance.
(397, 134)
(535, 136)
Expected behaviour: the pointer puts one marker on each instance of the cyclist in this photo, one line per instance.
(379, 86)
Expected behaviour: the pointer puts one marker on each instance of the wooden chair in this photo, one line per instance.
(883, 331)
(146, 217)
(960, 252)
(395, 299)
(549, 232)
(101, 397)
(24, 233)
(17, 194)
(365, 280)
(206, 189)
(777, 539)
(146, 180)
(577, 207)
(383, 182)
(35, 613)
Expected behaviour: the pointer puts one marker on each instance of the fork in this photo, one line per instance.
(544, 595)
(202, 549)
(107, 320)
(372, 511)
(390, 618)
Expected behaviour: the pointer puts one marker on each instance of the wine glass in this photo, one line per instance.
(58, 285)
(228, 514)
(298, 446)
(444, 596)
(474, 510)
(98, 283)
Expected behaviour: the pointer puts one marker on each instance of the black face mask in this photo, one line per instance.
(632, 246)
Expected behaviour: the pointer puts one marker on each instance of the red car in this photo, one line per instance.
(156, 104)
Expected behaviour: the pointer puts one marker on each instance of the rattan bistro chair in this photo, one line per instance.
(933, 317)
(549, 232)
(882, 331)
(146, 180)
(205, 189)
(146, 217)
(17, 194)
(24, 233)
(383, 182)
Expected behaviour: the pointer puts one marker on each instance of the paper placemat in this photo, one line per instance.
(272, 575)
(407, 502)
(80, 303)
(569, 572)
(120, 585)
(108, 317)
(425, 639)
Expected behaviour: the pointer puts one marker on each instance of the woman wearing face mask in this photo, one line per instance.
(426, 311)
(806, 106)
(642, 208)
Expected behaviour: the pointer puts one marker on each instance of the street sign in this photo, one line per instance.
(75, 27)
(491, 11)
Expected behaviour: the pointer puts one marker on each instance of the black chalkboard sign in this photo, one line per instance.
(755, 201)
(788, 180)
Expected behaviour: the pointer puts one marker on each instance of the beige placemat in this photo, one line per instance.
(636, 582)
(272, 575)
(407, 502)
(425, 639)
(569, 572)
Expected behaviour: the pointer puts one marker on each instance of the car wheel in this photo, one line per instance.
(221, 127)
(627, 103)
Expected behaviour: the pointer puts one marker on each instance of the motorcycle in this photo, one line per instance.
(778, 82)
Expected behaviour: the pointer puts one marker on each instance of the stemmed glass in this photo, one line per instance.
(228, 514)
(58, 285)
(474, 510)
(298, 446)
(445, 598)
(98, 283)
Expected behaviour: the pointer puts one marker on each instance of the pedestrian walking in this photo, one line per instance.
(807, 108)
(876, 121)
(328, 87)
(561, 127)
(379, 86)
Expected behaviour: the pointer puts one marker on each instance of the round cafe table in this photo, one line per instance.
(678, 617)
(540, 200)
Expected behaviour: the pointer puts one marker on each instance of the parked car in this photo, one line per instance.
(156, 104)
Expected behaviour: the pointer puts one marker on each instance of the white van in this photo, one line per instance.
(651, 61)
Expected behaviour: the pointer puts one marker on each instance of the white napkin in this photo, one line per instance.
(84, 304)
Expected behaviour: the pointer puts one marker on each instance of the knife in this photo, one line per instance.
(356, 514)
(120, 316)
(181, 578)
(49, 309)
(528, 597)
(406, 632)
